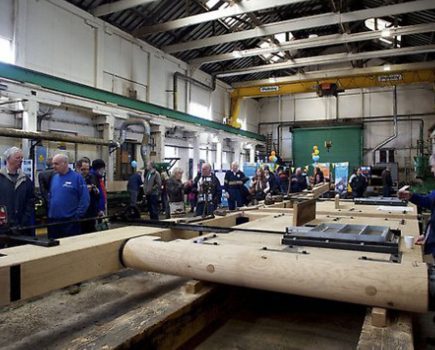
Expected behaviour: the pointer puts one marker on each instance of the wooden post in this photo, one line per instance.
(193, 287)
(379, 317)
(337, 201)
(304, 212)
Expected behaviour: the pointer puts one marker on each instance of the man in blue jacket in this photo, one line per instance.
(428, 202)
(68, 199)
(16, 192)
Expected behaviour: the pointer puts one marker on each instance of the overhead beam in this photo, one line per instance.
(325, 40)
(234, 10)
(328, 59)
(253, 86)
(305, 23)
(361, 81)
(117, 6)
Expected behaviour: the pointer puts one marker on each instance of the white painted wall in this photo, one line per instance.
(412, 100)
(58, 38)
(250, 114)
(6, 19)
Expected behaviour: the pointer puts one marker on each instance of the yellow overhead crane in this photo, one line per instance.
(393, 75)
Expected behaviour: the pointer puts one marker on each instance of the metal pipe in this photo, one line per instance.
(178, 75)
(346, 121)
(41, 116)
(144, 148)
(396, 128)
(52, 136)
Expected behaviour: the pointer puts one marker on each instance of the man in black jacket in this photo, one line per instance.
(17, 194)
(83, 166)
(298, 181)
(358, 184)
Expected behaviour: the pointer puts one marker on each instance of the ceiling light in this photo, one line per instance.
(387, 67)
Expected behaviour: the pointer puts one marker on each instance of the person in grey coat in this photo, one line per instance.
(17, 193)
(152, 187)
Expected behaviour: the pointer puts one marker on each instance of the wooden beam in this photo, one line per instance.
(369, 282)
(398, 334)
(304, 212)
(38, 270)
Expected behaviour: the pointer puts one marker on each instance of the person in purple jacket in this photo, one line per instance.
(428, 202)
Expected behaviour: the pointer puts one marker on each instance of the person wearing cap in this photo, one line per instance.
(17, 193)
(427, 202)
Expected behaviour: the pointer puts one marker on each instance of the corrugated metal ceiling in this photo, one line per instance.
(162, 11)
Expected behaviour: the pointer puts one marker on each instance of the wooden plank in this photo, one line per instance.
(349, 208)
(398, 334)
(304, 212)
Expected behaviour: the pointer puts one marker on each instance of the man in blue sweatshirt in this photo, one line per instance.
(428, 202)
(68, 199)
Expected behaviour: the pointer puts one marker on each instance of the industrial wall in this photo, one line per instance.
(57, 38)
(414, 102)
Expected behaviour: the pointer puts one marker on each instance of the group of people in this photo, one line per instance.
(358, 183)
(204, 192)
(70, 197)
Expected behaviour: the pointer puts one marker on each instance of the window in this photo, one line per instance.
(7, 52)
(124, 156)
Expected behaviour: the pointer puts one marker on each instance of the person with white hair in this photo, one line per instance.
(175, 191)
(17, 192)
(298, 181)
(209, 191)
(233, 185)
(68, 199)
(428, 202)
